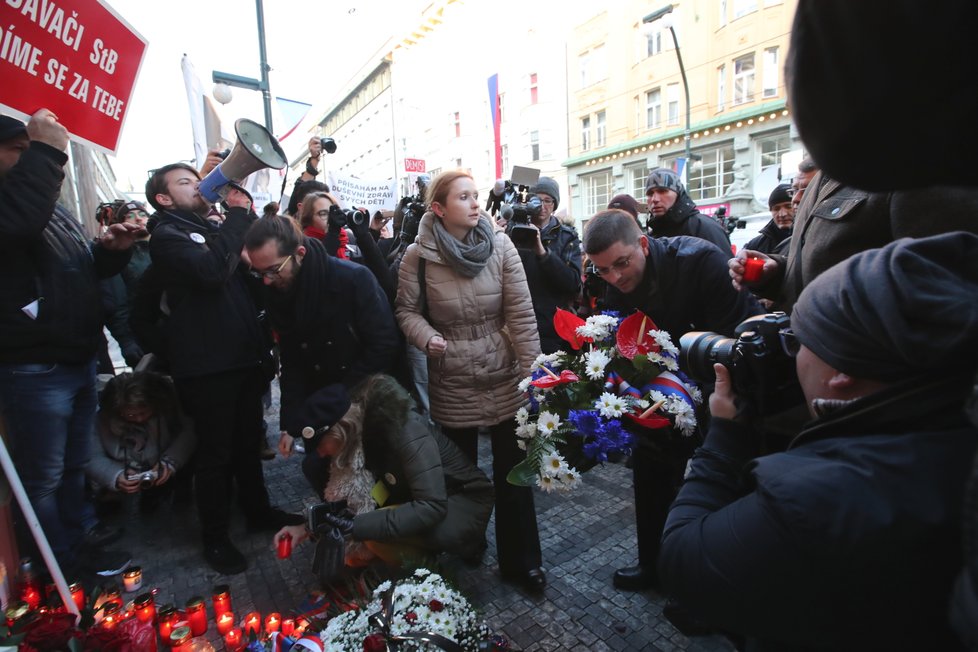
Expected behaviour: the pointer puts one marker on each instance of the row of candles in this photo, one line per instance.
(176, 627)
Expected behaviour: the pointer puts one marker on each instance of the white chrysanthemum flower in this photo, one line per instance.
(594, 363)
(548, 423)
(670, 363)
(521, 444)
(695, 393)
(422, 572)
(656, 396)
(664, 341)
(551, 360)
(527, 430)
(522, 415)
(525, 384)
(610, 406)
(570, 478)
(589, 332)
(383, 586)
(553, 465)
(546, 483)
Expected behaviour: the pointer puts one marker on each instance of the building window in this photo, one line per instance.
(586, 133)
(458, 126)
(770, 149)
(771, 72)
(744, 7)
(601, 129)
(710, 175)
(596, 191)
(672, 101)
(533, 88)
(653, 43)
(743, 90)
(635, 176)
(721, 87)
(534, 145)
(723, 12)
(653, 109)
(584, 61)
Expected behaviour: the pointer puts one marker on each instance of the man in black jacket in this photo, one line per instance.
(218, 353)
(50, 328)
(672, 211)
(679, 283)
(552, 262)
(334, 324)
(782, 217)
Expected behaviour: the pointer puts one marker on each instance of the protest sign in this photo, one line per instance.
(77, 58)
(358, 193)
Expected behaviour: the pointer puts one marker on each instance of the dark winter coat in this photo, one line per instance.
(850, 539)
(335, 325)
(684, 219)
(686, 287)
(835, 221)
(213, 325)
(554, 279)
(770, 237)
(437, 496)
(46, 257)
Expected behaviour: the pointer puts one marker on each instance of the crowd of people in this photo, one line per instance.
(394, 353)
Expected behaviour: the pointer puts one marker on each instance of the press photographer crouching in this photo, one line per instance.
(398, 489)
(142, 438)
(850, 539)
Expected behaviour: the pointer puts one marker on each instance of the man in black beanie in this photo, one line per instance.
(552, 263)
(850, 538)
(672, 211)
(782, 217)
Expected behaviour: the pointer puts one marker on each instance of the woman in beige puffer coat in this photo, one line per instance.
(474, 319)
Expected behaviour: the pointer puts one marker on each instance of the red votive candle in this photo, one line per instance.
(168, 616)
(225, 622)
(232, 640)
(288, 626)
(752, 269)
(252, 623)
(196, 616)
(272, 622)
(285, 546)
(78, 595)
(145, 608)
(111, 615)
(181, 640)
(221, 599)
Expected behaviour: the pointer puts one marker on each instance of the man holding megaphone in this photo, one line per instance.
(218, 350)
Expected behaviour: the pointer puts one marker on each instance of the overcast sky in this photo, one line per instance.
(313, 48)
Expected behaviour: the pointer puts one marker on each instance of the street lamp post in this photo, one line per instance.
(654, 16)
(248, 82)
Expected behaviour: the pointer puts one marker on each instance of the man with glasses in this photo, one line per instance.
(335, 328)
(553, 264)
(681, 284)
(849, 539)
(218, 353)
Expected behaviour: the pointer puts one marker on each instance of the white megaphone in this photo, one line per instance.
(256, 149)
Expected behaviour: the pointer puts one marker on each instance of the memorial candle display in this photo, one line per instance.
(132, 579)
(288, 627)
(752, 269)
(197, 616)
(168, 617)
(78, 595)
(111, 615)
(145, 608)
(221, 599)
(272, 622)
(225, 622)
(180, 640)
(232, 640)
(252, 623)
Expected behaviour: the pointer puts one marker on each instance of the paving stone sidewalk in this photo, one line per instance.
(585, 536)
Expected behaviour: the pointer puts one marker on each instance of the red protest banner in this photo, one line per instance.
(77, 58)
(414, 165)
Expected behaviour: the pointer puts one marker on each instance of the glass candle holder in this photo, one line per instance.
(196, 616)
(272, 622)
(132, 579)
(252, 623)
(221, 599)
(224, 622)
(78, 595)
(145, 608)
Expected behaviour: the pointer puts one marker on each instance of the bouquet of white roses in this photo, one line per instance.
(418, 613)
(621, 376)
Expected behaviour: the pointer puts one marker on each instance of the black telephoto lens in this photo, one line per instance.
(698, 350)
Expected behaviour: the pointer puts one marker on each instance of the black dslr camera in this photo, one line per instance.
(761, 361)
(730, 224)
(347, 217)
(520, 232)
(412, 210)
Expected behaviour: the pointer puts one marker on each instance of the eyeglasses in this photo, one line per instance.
(272, 273)
(616, 266)
(322, 214)
(547, 201)
(789, 342)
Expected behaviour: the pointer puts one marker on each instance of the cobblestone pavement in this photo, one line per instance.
(585, 536)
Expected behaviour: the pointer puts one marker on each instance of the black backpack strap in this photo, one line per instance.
(423, 289)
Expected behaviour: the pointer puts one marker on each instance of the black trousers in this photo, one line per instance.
(517, 538)
(227, 413)
(657, 476)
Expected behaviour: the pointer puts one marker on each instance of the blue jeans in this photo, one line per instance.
(50, 414)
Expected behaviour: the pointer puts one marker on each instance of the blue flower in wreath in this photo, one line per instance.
(587, 423)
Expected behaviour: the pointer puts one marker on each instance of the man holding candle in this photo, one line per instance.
(681, 284)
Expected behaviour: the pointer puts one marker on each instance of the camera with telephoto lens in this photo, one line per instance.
(412, 210)
(520, 232)
(730, 224)
(761, 361)
(346, 217)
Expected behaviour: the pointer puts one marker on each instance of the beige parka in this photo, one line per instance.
(489, 325)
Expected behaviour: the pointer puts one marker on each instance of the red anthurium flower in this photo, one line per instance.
(566, 323)
(375, 643)
(633, 335)
(653, 422)
(436, 605)
(551, 380)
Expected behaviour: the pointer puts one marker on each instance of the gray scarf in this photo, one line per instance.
(467, 257)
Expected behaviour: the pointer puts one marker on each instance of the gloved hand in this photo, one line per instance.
(132, 354)
(342, 521)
